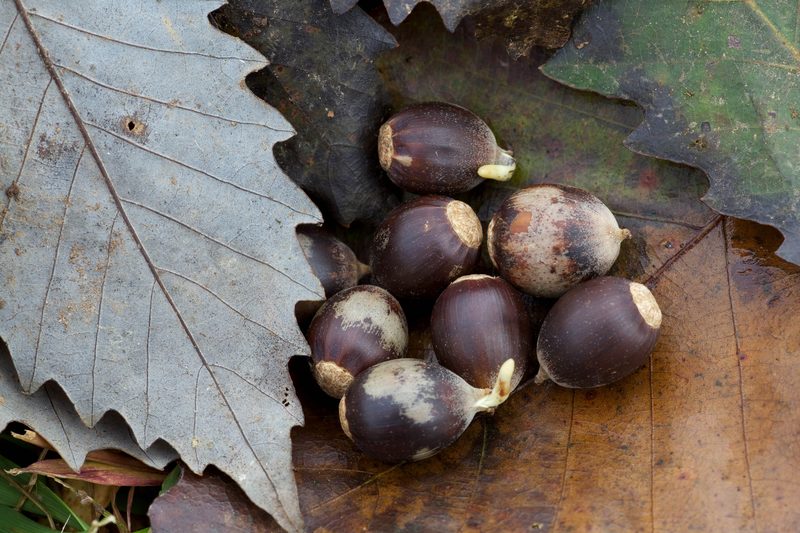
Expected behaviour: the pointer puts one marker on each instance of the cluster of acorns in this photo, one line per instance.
(546, 240)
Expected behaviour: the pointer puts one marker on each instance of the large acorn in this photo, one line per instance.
(423, 245)
(353, 330)
(597, 333)
(547, 238)
(438, 148)
(408, 409)
(477, 324)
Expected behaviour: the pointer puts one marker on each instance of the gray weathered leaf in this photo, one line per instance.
(147, 245)
(50, 411)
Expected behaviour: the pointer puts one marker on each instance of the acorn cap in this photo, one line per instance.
(355, 329)
(423, 245)
(597, 333)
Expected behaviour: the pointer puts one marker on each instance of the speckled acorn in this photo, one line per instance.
(547, 238)
(439, 148)
(355, 329)
(333, 262)
(478, 323)
(423, 245)
(408, 409)
(597, 333)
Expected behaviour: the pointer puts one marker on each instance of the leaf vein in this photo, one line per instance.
(27, 150)
(228, 305)
(199, 171)
(165, 103)
(100, 313)
(217, 241)
(256, 387)
(53, 270)
(141, 46)
(741, 378)
(8, 33)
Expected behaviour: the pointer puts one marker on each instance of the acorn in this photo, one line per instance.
(597, 333)
(439, 148)
(408, 409)
(478, 323)
(547, 238)
(353, 330)
(423, 245)
(333, 262)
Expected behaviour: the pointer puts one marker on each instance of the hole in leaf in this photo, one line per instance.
(133, 126)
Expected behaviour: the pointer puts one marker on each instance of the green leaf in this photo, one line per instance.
(558, 135)
(12, 521)
(55, 506)
(720, 88)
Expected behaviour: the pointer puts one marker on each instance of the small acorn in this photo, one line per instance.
(423, 245)
(439, 148)
(408, 409)
(478, 323)
(597, 333)
(547, 238)
(353, 330)
(333, 262)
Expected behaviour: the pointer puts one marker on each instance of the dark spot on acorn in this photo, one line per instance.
(597, 333)
(439, 148)
(353, 330)
(544, 247)
(477, 324)
(423, 245)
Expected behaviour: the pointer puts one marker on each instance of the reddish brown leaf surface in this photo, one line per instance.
(102, 467)
(704, 438)
(209, 503)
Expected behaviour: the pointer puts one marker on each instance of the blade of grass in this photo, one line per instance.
(12, 521)
(54, 505)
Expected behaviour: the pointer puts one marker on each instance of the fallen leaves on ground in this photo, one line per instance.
(718, 82)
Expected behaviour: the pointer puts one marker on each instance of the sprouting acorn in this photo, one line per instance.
(439, 148)
(478, 323)
(408, 409)
(547, 238)
(353, 330)
(423, 245)
(597, 333)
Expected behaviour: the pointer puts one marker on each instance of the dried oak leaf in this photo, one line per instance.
(209, 503)
(321, 77)
(148, 257)
(719, 85)
(522, 24)
(52, 414)
(704, 438)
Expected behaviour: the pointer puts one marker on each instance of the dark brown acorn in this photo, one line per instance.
(547, 238)
(332, 261)
(438, 148)
(477, 324)
(408, 409)
(597, 333)
(423, 245)
(353, 330)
